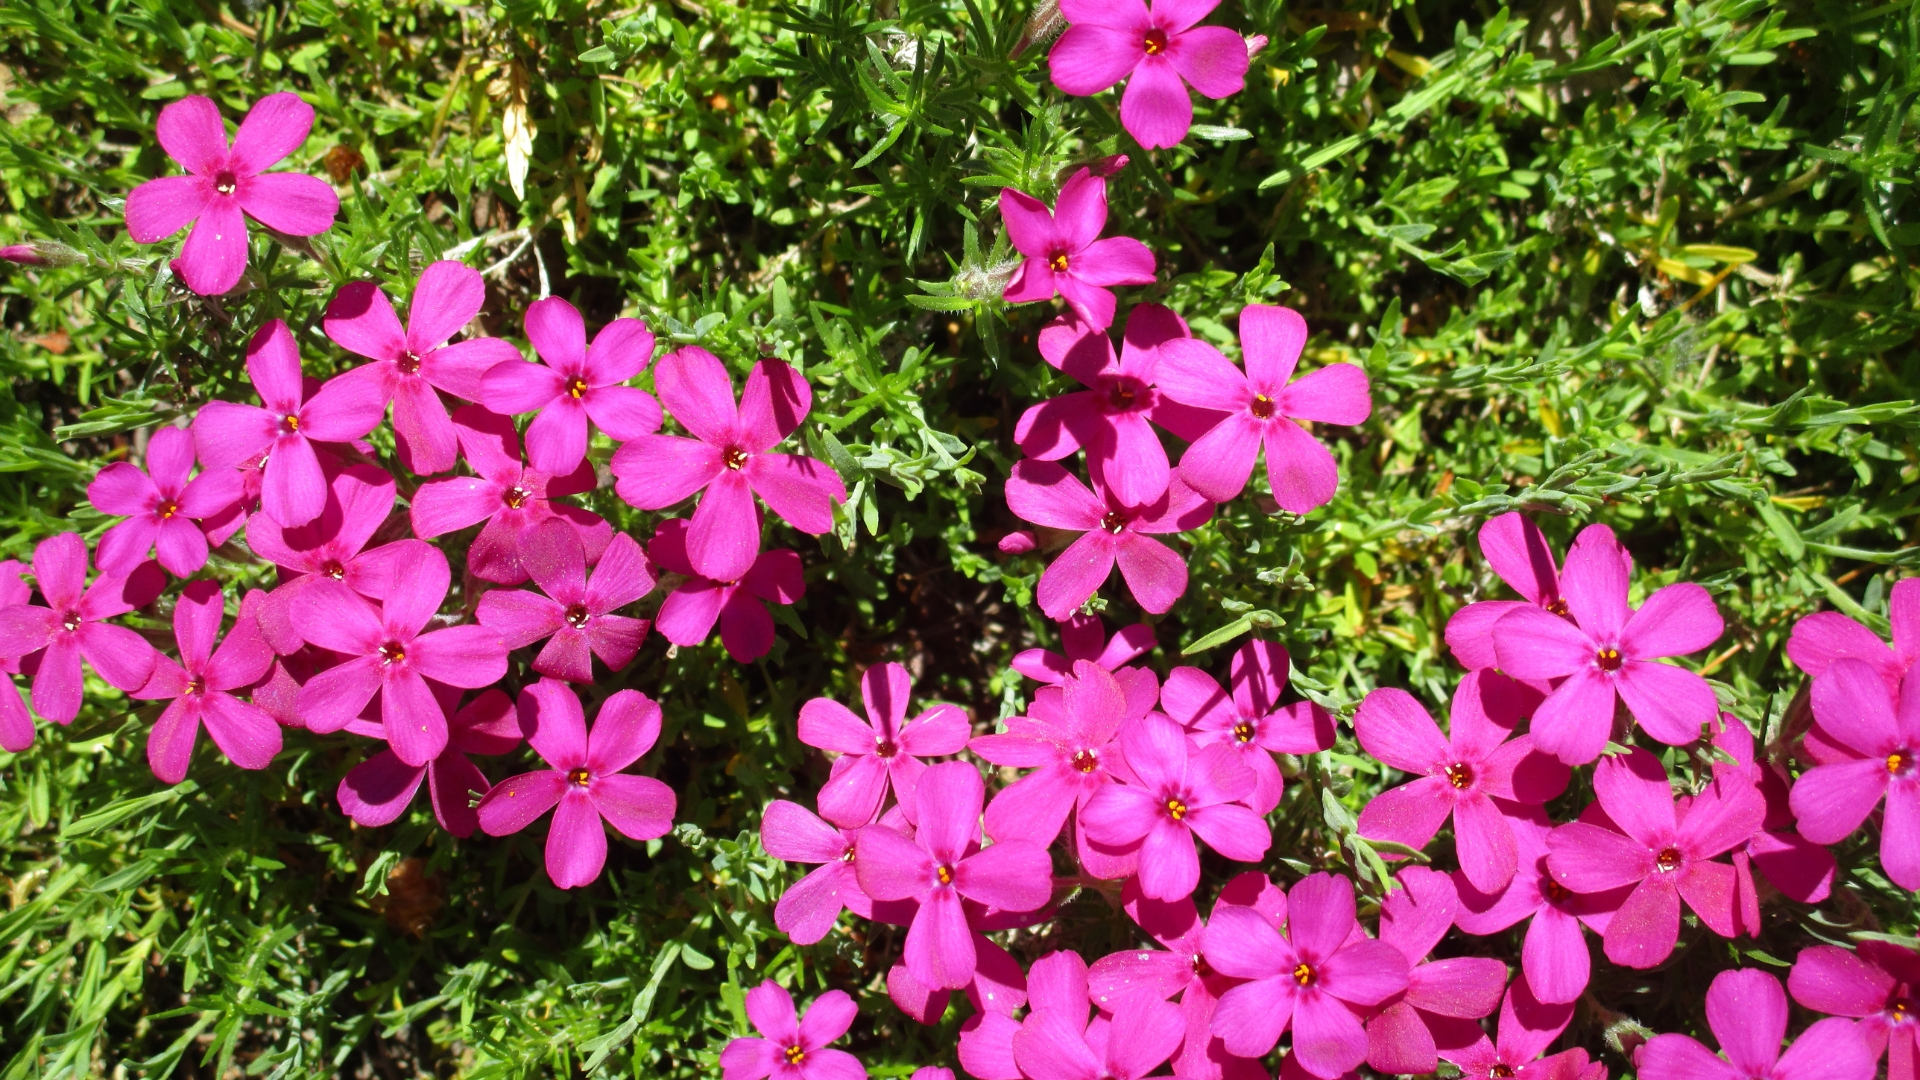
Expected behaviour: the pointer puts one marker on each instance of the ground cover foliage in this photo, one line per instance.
(1648, 265)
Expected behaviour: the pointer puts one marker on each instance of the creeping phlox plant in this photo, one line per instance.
(1117, 778)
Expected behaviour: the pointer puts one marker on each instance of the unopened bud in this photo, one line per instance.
(1255, 42)
(22, 254)
(1045, 24)
(1108, 166)
(1018, 542)
(41, 253)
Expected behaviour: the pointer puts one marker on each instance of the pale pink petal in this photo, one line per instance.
(163, 206)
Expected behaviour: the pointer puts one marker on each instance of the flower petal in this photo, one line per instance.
(1643, 932)
(639, 807)
(1676, 620)
(163, 206)
(292, 203)
(215, 254)
(1300, 470)
(1155, 108)
(360, 319)
(1212, 59)
(1594, 582)
(191, 132)
(576, 841)
(1089, 58)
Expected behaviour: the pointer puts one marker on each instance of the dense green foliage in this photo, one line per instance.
(1617, 262)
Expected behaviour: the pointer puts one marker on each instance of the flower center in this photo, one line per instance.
(735, 458)
(1501, 1071)
(515, 497)
(946, 875)
(1668, 860)
(197, 685)
(392, 653)
(409, 363)
(576, 387)
(289, 424)
(334, 569)
(1243, 731)
(1262, 407)
(1115, 522)
(578, 615)
(848, 857)
(1558, 607)
(1155, 42)
(795, 1055)
(1608, 659)
(1555, 891)
(167, 509)
(1303, 975)
(1900, 762)
(1058, 262)
(1459, 774)
(1086, 760)
(225, 182)
(579, 777)
(886, 748)
(1176, 809)
(1900, 1010)
(1201, 969)
(70, 621)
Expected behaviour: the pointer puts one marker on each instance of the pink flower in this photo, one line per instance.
(1057, 983)
(331, 547)
(1261, 408)
(729, 456)
(1312, 980)
(1665, 857)
(1879, 984)
(885, 749)
(1181, 790)
(1527, 1029)
(1608, 652)
(688, 614)
(576, 615)
(1747, 1011)
(16, 723)
(293, 490)
(578, 382)
(791, 1048)
(1056, 1041)
(1553, 954)
(941, 865)
(161, 509)
(510, 498)
(585, 779)
(1251, 721)
(1823, 637)
(1853, 707)
(1159, 46)
(72, 626)
(225, 185)
(1111, 532)
(809, 908)
(1793, 864)
(1110, 419)
(1064, 252)
(378, 790)
(410, 365)
(200, 687)
(1084, 637)
(1518, 552)
(1465, 776)
(1443, 998)
(1183, 971)
(391, 654)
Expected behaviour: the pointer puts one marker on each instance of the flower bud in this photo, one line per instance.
(41, 253)
(1018, 542)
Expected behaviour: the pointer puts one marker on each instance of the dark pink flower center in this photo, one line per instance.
(1058, 262)
(885, 747)
(225, 182)
(1086, 760)
(166, 509)
(1115, 522)
(1501, 1071)
(579, 777)
(408, 363)
(1559, 607)
(515, 497)
(392, 653)
(577, 387)
(1608, 659)
(1155, 42)
(578, 616)
(70, 621)
(795, 1055)
(735, 458)
(1262, 407)
(1244, 731)
(1125, 394)
(945, 874)
(1303, 974)
(1176, 809)
(1554, 891)
(1668, 860)
(1459, 774)
(334, 569)
(1900, 762)
(289, 424)
(197, 685)
(1201, 969)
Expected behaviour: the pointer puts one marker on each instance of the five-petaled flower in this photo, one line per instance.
(1065, 254)
(576, 616)
(1518, 552)
(578, 382)
(1443, 998)
(1881, 739)
(809, 908)
(1877, 983)
(1112, 532)
(378, 790)
(791, 1048)
(1084, 637)
(71, 626)
(200, 687)
(1251, 719)
(1747, 1011)
(687, 615)
(162, 506)
(883, 750)
(1158, 45)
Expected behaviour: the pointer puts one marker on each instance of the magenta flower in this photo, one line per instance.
(577, 383)
(378, 790)
(1443, 998)
(293, 489)
(1065, 254)
(1853, 707)
(72, 627)
(790, 1048)
(729, 456)
(576, 616)
(390, 653)
(200, 688)
(1553, 955)
(1060, 1044)
(1084, 637)
(1879, 984)
(509, 497)
(1518, 552)
(410, 365)
(332, 547)
(940, 866)
(1251, 721)
(1608, 652)
(1823, 637)
(1527, 1028)
(1110, 419)
(1793, 864)
(1313, 979)
(1176, 791)
(688, 614)
(1466, 775)
(1261, 407)
(1162, 50)
(1181, 970)
(809, 908)
(1747, 1011)
(161, 506)
(1111, 532)
(883, 750)
(1057, 985)
(16, 722)
(584, 779)
(224, 186)
(1665, 858)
